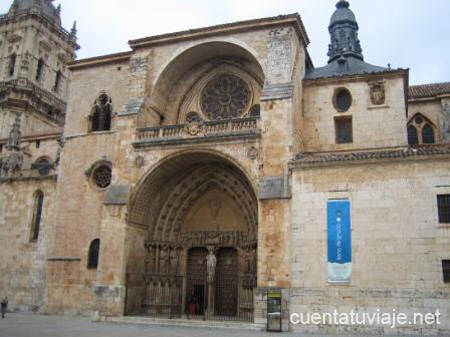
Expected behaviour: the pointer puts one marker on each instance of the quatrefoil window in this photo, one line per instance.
(226, 96)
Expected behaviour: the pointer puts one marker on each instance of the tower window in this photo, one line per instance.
(446, 270)
(420, 131)
(93, 255)
(39, 70)
(37, 215)
(342, 100)
(444, 208)
(12, 64)
(344, 132)
(102, 114)
(57, 81)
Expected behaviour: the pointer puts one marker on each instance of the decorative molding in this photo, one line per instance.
(411, 152)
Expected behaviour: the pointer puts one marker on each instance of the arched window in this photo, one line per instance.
(43, 165)
(428, 135)
(12, 64)
(420, 131)
(37, 215)
(93, 255)
(39, 70)
(57, 81)
(413, 137)
(102, 114)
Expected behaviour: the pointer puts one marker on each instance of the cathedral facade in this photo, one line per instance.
(217, 174)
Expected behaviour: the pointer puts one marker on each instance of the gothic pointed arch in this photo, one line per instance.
(101, 114)
(189, 204)
(421, 130)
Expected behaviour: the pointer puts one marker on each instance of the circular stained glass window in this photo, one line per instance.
(226, 96)
(102, 176)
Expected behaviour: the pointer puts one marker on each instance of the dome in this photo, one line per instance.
(342, 13)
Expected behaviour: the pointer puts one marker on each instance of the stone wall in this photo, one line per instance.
(397, 242)
(86, 86)
(23, 262)
(78, 222)
(374, 126)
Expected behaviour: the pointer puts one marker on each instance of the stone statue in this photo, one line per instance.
(211, 262)
(163, 260)
(174, 261)
(248, 261)
(15, 135)
(150, 260)
(215, 207)
(12, 164)
(61, 142)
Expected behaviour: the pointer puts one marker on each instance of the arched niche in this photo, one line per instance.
(179, 75)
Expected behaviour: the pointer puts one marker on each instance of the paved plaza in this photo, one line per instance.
(27, 325)
(23, 325)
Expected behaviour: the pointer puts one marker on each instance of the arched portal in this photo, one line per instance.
(193, 239)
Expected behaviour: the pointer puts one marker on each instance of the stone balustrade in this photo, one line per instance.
(199, 131)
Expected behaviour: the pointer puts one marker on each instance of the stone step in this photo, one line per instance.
(183, 323)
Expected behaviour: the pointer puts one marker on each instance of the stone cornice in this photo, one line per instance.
(356, 77)
(32, 138)
(414, 153)
(223, 28)
(28, 178)
(38, 95)
(100, 60)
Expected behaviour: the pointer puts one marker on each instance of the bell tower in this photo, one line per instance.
(34, 52)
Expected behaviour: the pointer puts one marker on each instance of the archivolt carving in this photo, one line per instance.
(181, 199)
(150, 197)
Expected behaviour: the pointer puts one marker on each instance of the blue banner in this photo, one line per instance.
(339, 241)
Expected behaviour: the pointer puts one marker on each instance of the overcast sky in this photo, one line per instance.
(411, 34)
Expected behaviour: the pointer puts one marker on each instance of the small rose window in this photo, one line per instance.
(102, 176)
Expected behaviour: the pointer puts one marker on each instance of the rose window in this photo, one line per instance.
(102, 176)
(226, 96)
